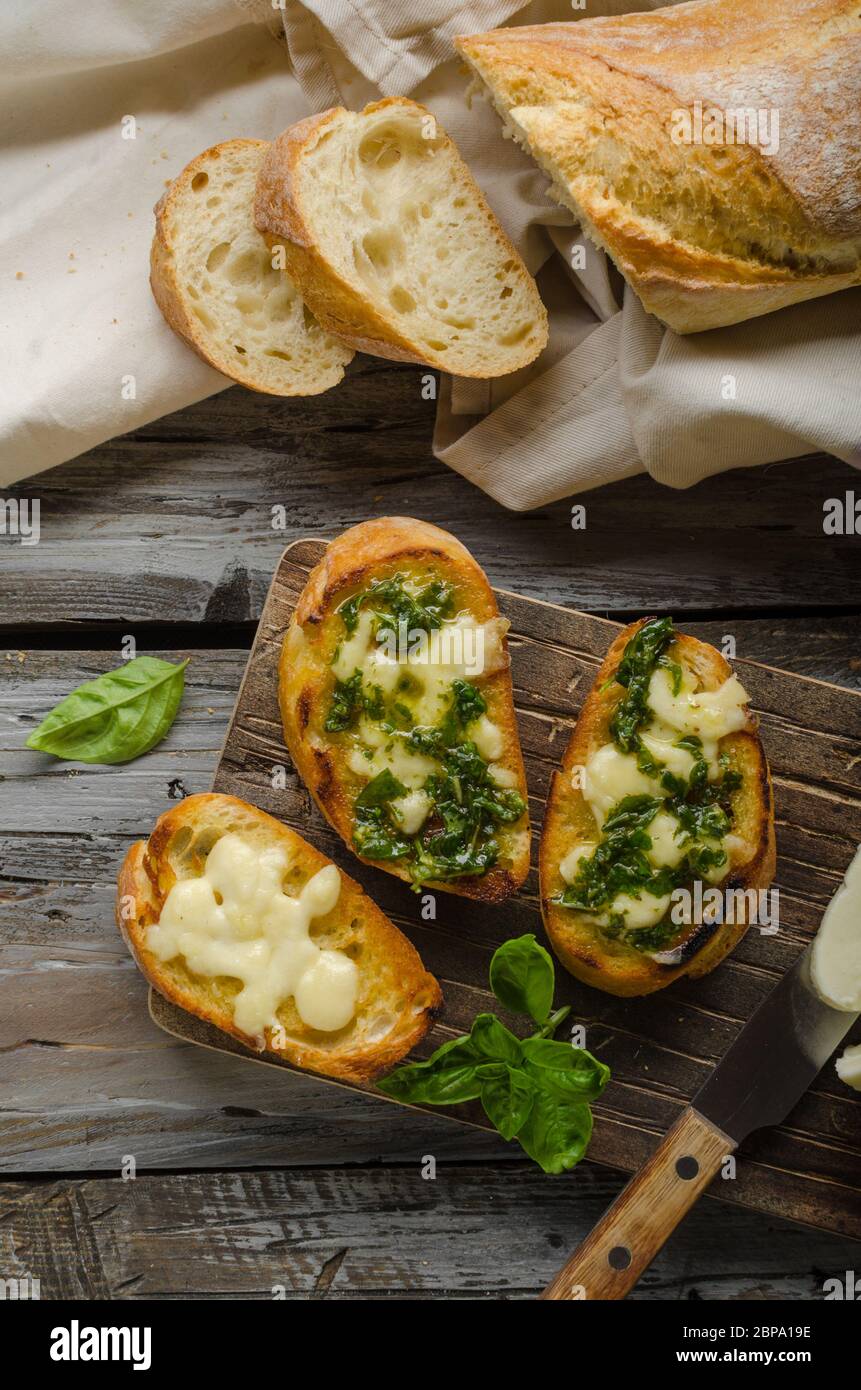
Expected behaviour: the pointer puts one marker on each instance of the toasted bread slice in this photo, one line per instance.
(212, 276)
(396, 1001)
(393, 245)
(336, 644)
(597, 951)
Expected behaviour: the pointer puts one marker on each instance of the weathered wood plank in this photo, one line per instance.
(470, 1232)
(812, 734)
(175, 521)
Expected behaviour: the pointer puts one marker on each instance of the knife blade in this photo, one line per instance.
(776, 1056)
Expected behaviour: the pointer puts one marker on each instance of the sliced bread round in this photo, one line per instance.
(213, 279)
(392, 244)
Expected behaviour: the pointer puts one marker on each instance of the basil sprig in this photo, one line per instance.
(116, 717)
(535, 1090)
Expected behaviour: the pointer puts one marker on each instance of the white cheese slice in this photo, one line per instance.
(835, 965)
(710, 714)
(236, 920)
(849, 1067)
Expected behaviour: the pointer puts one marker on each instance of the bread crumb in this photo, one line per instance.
(19, 275)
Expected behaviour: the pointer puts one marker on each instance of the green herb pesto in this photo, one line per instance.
(620, 862)
(392, 603)
(458, 837)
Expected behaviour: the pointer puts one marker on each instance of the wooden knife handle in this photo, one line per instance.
(629, 1236)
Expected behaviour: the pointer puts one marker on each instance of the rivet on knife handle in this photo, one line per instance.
(627, 1239)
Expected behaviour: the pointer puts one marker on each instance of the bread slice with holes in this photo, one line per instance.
(611, 948)
(393, 245)
(213, 279)
(365, 698)
(396, 999)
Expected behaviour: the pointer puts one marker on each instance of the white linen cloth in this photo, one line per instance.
(85, 355)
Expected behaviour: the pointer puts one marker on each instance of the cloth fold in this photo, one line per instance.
(94, 119)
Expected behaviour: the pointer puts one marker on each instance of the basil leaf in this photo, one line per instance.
(556, 1132)
(507, 1100)
(467, 701)
(566, 1070)
(490, 1038)
(522, 977)
(116, 717)
(382, 788)
(446, 1078)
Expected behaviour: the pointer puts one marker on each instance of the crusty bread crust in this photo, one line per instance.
(393, 982)
(371, 550)
(171, 297)
(616, 84)
(592, 957)
(280, 215)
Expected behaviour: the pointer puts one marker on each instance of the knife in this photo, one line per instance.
(766, 1070)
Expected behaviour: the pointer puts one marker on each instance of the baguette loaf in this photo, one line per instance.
(396, 1001)
(213, 279)
(393, 245)
(620, 113)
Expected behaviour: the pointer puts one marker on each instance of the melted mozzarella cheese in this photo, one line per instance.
(645, 911)
(609, 776)
(390, 753)
(570, 866)
(487, 738)
(709, 713)
(411, 811)
(353, 652)
(667, 850)
(460, 650)
(235, 920)
(420, 669)
(661, 744)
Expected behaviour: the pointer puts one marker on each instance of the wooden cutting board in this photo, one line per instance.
(660, 1048)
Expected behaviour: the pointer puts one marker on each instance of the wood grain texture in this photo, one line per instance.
(644, 1215)
(473, 1231)
(174, 522)
(659, 1051)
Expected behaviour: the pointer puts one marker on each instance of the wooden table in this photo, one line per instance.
(248, 1181)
